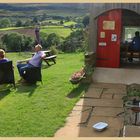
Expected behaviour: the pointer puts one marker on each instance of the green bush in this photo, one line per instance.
(52, 39)
(5, 22)
(17, 42)
(53, 49)
(74, 42)
(2, 46)
(49, 40)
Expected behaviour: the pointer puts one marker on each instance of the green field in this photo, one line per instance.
(40, 110)
(12, 28)
(69, 23)
(59, 30)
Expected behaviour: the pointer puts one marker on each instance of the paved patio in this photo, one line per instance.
(102, 102)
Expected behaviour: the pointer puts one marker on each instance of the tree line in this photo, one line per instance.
(17, 42)
(7, 22)
(76, 41)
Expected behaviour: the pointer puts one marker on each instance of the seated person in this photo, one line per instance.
(35, 61)
(135, 45)
(2, 56)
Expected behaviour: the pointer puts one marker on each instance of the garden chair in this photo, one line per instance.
(32, 75)
(7, 73)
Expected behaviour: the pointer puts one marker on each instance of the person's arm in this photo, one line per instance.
(22, 61)
(43, 55)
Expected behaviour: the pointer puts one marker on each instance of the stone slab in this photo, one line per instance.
(115, 125)
(81, 108)
(131, 131)
(90, 132)
(93, 93)
(101, 102)
(118, 96)
(77, 117)
(108, 112)
(115, 91)
(107, 96)
(108, 85)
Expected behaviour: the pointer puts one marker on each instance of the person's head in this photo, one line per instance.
(38, 47)
(137, 33)
(2, 53)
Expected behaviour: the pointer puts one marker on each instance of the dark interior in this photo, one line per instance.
(130, 24)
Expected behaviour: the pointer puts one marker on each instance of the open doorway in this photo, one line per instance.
(130, 24)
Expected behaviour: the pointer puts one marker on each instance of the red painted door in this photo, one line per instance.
(109, 35)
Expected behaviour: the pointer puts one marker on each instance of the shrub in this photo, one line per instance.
(2, 46)
(53, 49)
(5, 22)
(74, 42)
(53, 39)
(17, 42)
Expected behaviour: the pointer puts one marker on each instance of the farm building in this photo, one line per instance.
(112, 27)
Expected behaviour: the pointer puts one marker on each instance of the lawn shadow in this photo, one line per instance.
(78, 90)
(4, 93)
(44, 66)
(26, 88)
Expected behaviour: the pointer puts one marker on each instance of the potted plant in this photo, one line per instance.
(77, 76)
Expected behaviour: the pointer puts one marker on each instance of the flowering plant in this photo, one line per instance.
(77, 76)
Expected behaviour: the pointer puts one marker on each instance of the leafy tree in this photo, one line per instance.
(13, 41)
(61, 22)
(27, 43)
(18, 23)
(85, 21)
(35, 20)
(79, 25)
(67, 18)
(71, 27)
(5, 22)
(27, 23)
(43, 37)
(2, 46)
(17, 42)
(52, 39)
(44, 16)
(74, 42)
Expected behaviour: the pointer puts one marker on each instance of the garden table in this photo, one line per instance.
(49, 57)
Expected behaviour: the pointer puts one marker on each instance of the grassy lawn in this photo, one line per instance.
(60, 30)
(40, 110)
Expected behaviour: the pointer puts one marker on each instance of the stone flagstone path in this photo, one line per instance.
(102, 102)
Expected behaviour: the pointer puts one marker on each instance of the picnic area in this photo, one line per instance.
(82, 78)
(41, 109)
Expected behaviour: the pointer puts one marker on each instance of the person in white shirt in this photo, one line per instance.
(35, 61)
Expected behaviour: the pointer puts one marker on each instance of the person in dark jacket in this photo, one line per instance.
(135, 45)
